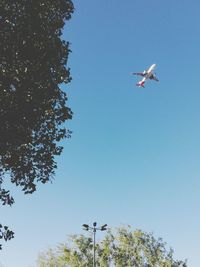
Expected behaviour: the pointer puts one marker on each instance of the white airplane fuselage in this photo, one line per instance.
(150, 70)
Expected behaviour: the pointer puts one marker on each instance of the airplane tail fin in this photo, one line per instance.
(140, 84)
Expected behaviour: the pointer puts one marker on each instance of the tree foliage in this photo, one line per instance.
(121, 248)
(5, 234)
(32, 104)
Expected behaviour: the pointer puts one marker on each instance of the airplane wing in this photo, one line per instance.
(139, 73)
(153, 77)
(156, 79)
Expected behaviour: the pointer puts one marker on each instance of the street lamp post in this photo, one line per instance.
(94, 229)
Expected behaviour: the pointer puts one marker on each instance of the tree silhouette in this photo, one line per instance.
(33, 60)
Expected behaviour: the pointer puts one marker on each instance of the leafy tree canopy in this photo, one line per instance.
(120, 248)
(33, 60)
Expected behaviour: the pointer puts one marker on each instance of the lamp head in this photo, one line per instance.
(103, 227)
(86, 227)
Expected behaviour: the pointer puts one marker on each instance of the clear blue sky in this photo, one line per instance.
(134, 156)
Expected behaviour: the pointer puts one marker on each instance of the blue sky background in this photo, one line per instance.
(134, 156)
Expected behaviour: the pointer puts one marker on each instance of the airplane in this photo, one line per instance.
(147, 74)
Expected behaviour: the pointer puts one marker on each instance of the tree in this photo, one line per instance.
(121, 248)
(5, 234)
(32, 104)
